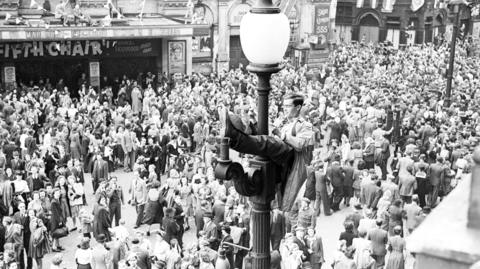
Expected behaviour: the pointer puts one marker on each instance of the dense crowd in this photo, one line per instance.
(384, 145)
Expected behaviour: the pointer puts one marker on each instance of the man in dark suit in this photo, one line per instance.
(21, 217)
(36, 181)
(321, 194)
(437, 175)
(336, 176)
(379, 239)
(99, 171)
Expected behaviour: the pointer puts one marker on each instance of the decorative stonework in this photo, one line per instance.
(7, 5)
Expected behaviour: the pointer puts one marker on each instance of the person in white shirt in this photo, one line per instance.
(83, 255)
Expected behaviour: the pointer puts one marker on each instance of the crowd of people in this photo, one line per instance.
(382, 145)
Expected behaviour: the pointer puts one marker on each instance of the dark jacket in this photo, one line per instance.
(336, 175)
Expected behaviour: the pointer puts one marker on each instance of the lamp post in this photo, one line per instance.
(264, 35)
(456, 5)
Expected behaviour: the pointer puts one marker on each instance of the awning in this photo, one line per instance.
(136, 30)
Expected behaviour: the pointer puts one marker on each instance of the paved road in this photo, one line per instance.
(328, 227)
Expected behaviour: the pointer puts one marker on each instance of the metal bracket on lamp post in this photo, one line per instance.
(246, 183)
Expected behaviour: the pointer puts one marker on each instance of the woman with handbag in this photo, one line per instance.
(39, 240)
(57, 222)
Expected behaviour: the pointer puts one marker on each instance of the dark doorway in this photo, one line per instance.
(236, 53)
(70, 70)
(131, 67)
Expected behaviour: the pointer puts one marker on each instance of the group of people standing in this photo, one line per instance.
(382, 147)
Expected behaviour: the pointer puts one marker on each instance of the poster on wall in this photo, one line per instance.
(322, 21)
(9, 72)
(176, 57)
(94, 73)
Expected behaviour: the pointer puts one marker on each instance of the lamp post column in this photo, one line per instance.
(448, 93)
(260, 215)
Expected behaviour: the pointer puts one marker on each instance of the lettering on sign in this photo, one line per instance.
(83, 34)
(23, 50)
(322, 22)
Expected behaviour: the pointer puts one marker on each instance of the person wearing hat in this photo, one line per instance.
(84, 254)
(299, 239)
(210, 230)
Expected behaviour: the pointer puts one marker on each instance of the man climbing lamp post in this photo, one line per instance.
(264, 35)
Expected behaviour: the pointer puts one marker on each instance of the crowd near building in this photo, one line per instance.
(93, 89)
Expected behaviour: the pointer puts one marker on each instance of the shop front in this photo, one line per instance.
(67, 60)
(31, 55)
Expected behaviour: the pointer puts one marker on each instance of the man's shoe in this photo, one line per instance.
(229, 124)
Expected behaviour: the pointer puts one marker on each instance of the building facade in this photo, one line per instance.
(113, 38)
(132, 36)
(401, 22)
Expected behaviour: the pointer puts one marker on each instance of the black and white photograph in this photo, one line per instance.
(239, 134)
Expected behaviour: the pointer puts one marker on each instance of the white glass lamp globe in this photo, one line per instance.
(264, 37)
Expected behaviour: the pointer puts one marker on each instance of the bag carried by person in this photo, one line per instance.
(60, 232)
(38, 237)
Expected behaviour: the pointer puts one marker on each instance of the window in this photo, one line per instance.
(344, 14)
(294, 23)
